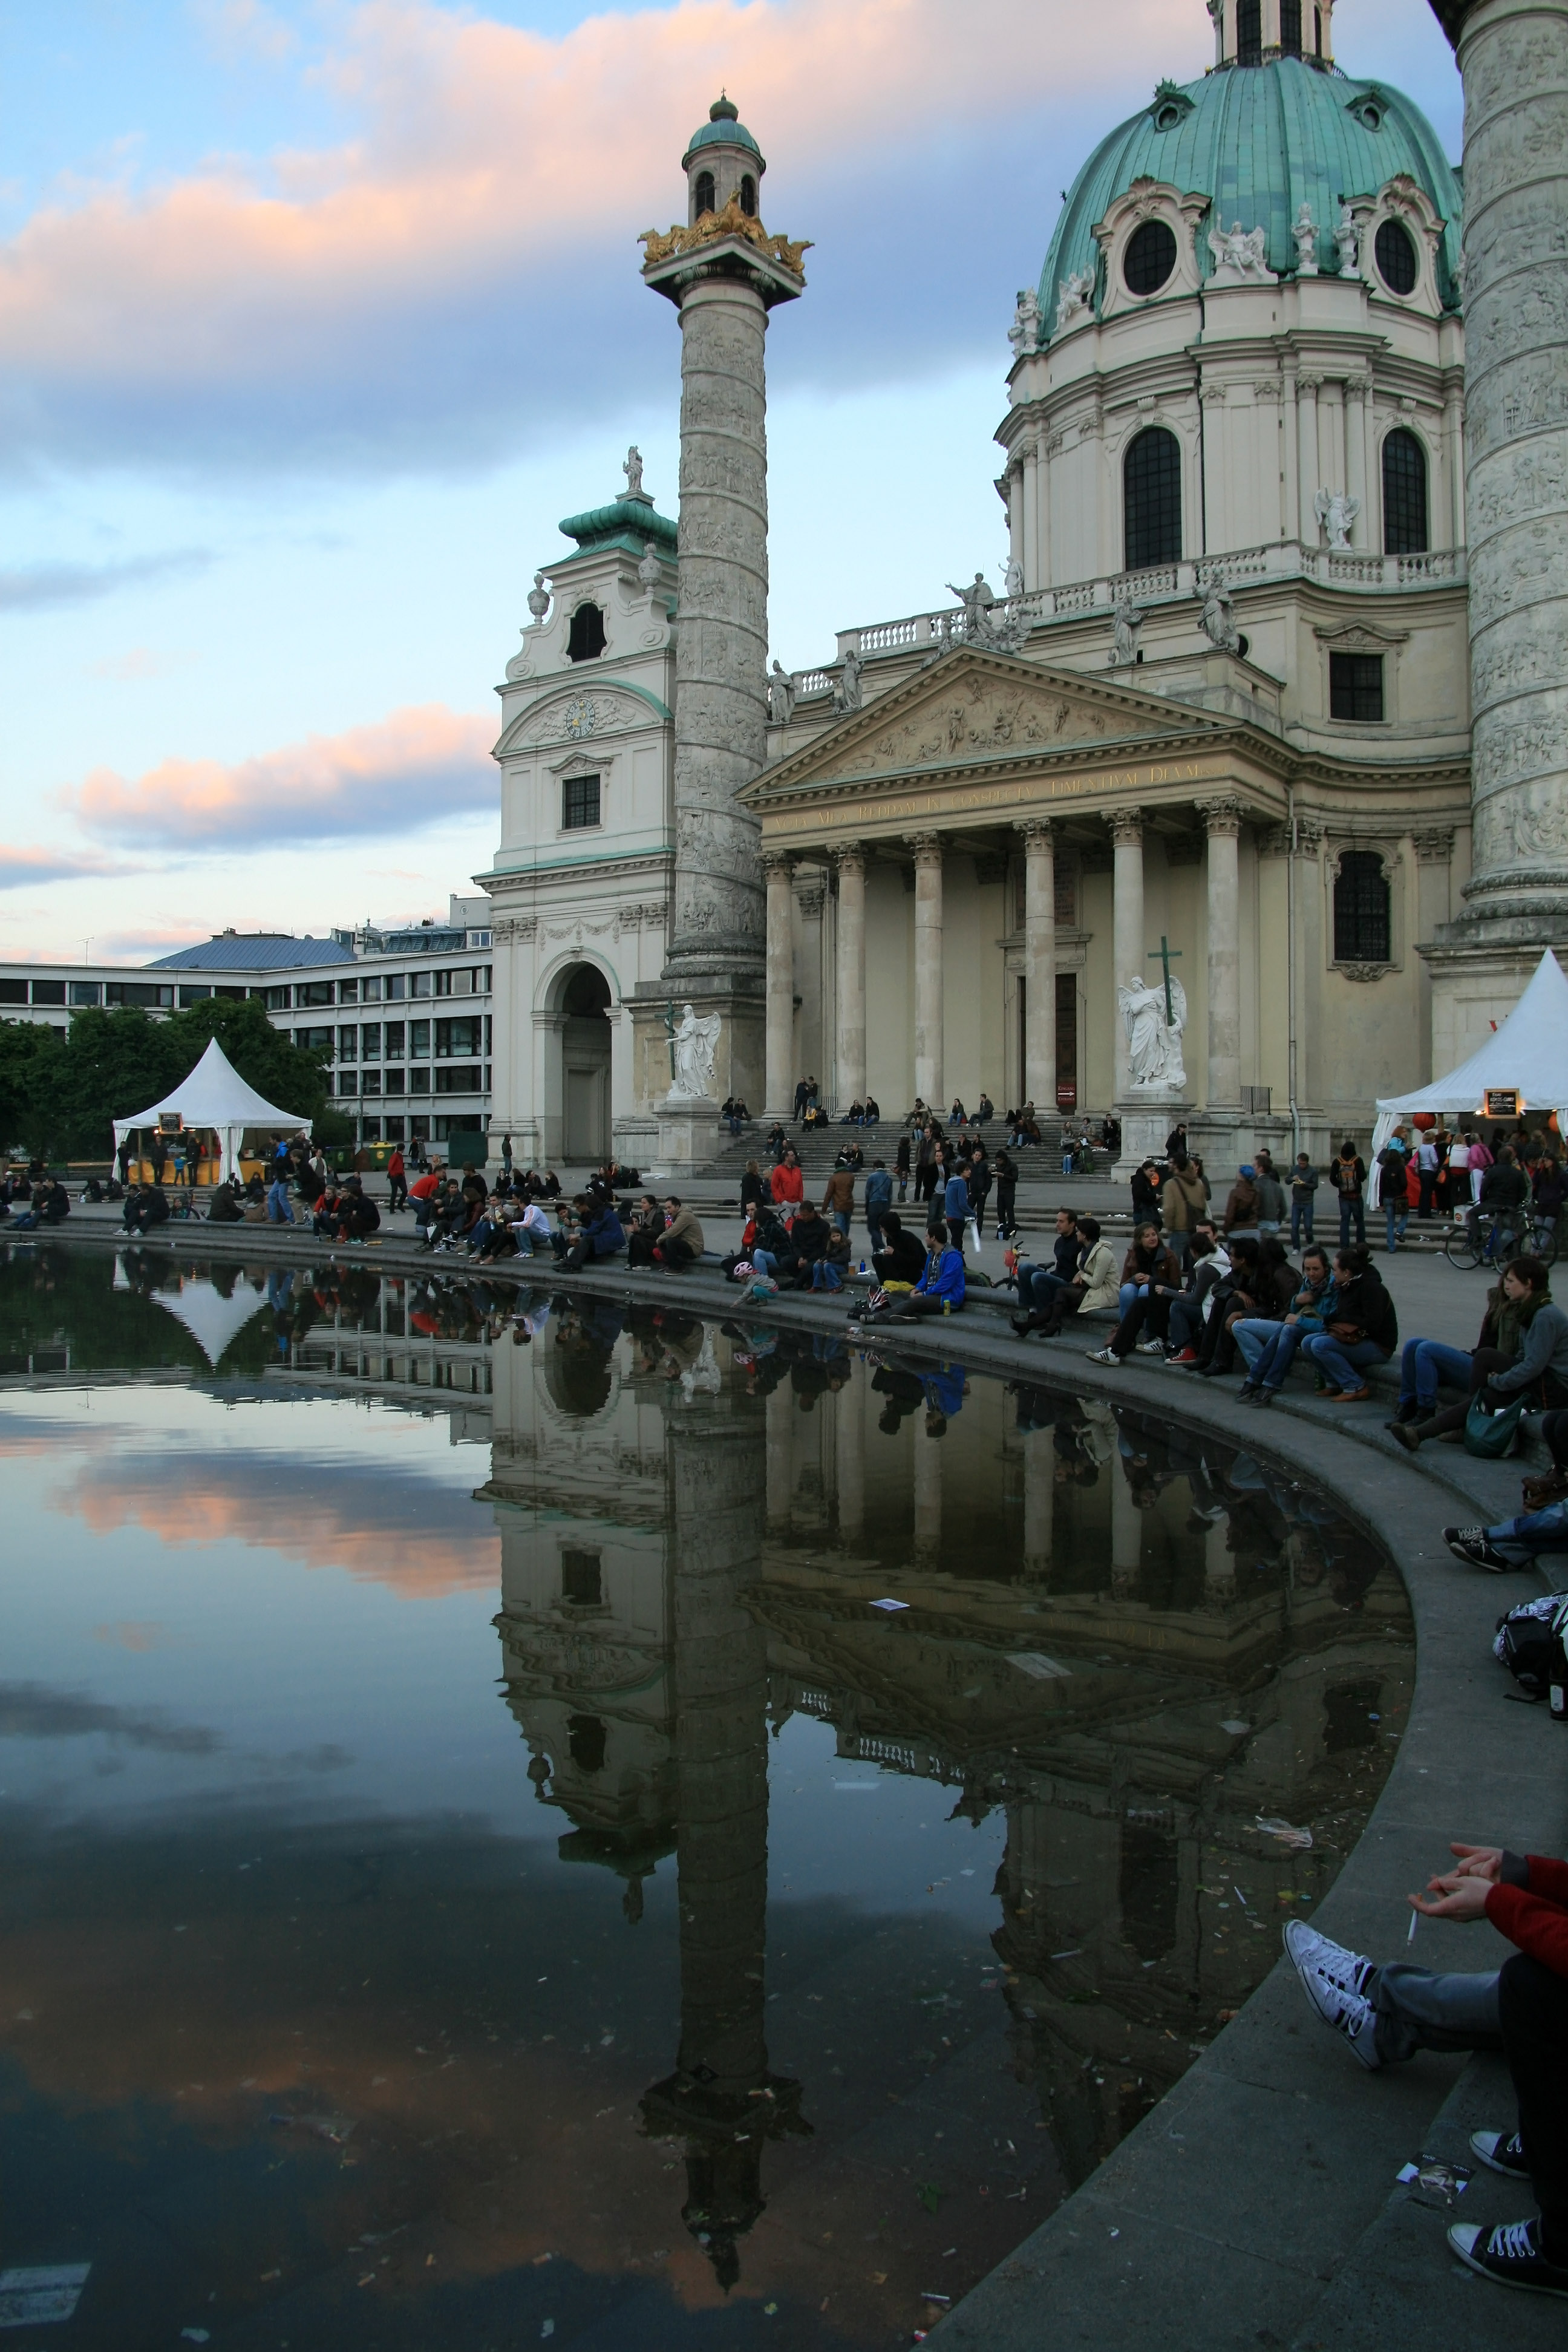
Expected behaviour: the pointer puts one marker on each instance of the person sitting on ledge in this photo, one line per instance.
(1522, 1349)
(680, 1244)
(599, 1235)
(1092, 1288)
(1364, 1329)
(1269, 1348)
(1151, 1280)
(939, 1291)
(146, 1205)
(902, 1260)
(1513, 1543)
(1387, 2013)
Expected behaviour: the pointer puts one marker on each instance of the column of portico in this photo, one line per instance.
(1222, 822)
(927, 847)
(1040, 965)
(1127, 921)
(851, 990)
(780, 998)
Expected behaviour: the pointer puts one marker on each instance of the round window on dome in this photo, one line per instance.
(1149, 258)
(1395, 258)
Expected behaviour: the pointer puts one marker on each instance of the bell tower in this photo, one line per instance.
(1249, 32)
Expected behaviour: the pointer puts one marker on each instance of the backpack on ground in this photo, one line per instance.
(1529, 1641)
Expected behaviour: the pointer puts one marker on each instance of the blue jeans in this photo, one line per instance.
(278, 1211)
(1037, 1286)
(1341, 1361)
(1254, 1334)
(1534, 1531)
(874, 1230)
(1278, 1355)
(1300, 1222)
(1351, 1206)
(1125, 1296)
(1427, 1365)
(765, 1263)
(1397, 1214)
(841, 1219)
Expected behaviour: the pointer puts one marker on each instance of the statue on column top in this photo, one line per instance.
(632, 469)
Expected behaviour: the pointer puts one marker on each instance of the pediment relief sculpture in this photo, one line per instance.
(576, 716)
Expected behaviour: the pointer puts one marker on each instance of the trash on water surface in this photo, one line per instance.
(889, 1604)
(1293, 1840)
(33, 2298)
(1043, 1669)
(1234, 1726)
(333, 2128)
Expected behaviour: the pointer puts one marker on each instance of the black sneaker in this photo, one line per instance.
(1504, 2151)
(1473, 1546)
(1510, 2254)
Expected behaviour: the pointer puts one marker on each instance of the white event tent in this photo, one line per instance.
(1527, 1057)
(214, 1099)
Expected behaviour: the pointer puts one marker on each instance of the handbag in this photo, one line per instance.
(1492, 1435)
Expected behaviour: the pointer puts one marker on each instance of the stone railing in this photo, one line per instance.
(1161, 584)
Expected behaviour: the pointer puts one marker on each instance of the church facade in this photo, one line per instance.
(1167, 821)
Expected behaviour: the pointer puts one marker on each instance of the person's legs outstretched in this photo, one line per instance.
(1387, 2014)
(1532, 2005)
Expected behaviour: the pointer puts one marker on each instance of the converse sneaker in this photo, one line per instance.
(1474, 1546)
(1103, 1356)
(1504, 2151)
(1333, 1979)
(1510, 2254)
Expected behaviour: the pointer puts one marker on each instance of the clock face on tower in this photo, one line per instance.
(579, 719)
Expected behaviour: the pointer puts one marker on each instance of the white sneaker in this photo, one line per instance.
(1333, 1979)
(1151, 1347)
(1102, 1355)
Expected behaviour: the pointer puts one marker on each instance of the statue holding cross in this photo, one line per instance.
(1154, 1014)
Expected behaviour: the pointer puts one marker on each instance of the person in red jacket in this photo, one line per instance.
(1387, 2013)
(788, 1180)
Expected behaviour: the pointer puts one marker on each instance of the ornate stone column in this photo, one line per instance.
(927, 847)
(1222, 822)
(1127, 922)
(1434, 848)
(928, 1496)
(779, 1091)
(1039, 1505)
(1513, 55)
(1040, 965)
(810, 893)
(851, 989)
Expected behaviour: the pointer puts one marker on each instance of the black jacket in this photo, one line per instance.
(1366, 1303)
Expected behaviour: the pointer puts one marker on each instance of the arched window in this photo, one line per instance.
(1290, 29)
(749, 197)
(1249, 32)
(585, 637)
(1361, 908)
(1404, 495)
(1396, 263)
(702, 194)
(1151, 499)
(1317, 31)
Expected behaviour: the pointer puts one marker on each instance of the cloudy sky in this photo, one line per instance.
(317, 315)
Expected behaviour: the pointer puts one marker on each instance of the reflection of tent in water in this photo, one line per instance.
(212, 1321)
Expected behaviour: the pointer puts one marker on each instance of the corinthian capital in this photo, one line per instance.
(1036, 833)
(927, 847)
(1127, 828)
(850, 857)
(1221, 816)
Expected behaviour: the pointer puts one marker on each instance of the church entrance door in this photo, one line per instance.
(585, 1064)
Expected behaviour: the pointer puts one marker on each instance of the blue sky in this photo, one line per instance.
(315, 317)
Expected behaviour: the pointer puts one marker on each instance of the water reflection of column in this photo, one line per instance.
(1126, 1534)
(721, 1849)
(928, 1499)
(781, 1460)
(1219, 1564)
(849, 1429)
(1039, 1505)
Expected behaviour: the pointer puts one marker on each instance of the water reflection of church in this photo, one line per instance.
(1131, 1644)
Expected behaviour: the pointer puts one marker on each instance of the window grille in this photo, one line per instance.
(1361, 908)
(1404, 495)
(1152, 497)
(1356, 687)
(1249, 32)
(1150, 258)
(579, 803)
(1290, 27)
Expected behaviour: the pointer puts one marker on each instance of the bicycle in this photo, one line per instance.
(1491, 1241)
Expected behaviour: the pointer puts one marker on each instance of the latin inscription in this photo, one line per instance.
(966, 798)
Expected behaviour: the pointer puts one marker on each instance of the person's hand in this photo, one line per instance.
(1453, 1897)
(1478, 1861)
(1292, 1319)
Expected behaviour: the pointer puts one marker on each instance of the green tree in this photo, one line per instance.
(116, 1063)
(31, 1112)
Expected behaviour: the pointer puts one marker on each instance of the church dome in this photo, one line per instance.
(1260, 142)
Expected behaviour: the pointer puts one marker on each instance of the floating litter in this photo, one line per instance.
(1043, 1669)
(33, 2298)
(889, 1604)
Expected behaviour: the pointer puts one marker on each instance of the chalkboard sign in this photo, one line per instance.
(1502, 1102)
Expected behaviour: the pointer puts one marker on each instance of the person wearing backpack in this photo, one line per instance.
(1347, 1175)
(1384, 2014)
(1394, 1187)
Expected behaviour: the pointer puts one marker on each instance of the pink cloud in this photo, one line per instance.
(409, 770)
(414, 291)
(20, 865)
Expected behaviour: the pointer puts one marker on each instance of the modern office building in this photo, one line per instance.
(405, 1014)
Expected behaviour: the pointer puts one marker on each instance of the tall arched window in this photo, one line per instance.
(702, 194)
(585, 637)
(1317, 31)
(749, 196)
(1362, 929)
(1290, 27)
(1151, 499)
(1249, 32)
(1404, 495)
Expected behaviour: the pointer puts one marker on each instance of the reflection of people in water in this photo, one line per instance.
(944, 1386)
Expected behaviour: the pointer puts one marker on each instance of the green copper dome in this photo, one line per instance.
(723, 128)
(1260, 141)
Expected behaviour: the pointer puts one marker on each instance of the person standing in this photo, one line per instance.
(955, 1205)
(802, 1096)
(1427, 1171)
(878, 1201)
(925, 1163)
(901, 1164)
(1482, 1157)
(1183, 1198)
(1348, 1175)
(1304, 1180)
(1270, 1194)
(1006, 1169)
(1394, 1187)
(839, 1200)
(397, 1180)
(979, 1186)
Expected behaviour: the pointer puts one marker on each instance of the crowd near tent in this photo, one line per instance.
(1523, 1066)
(215, 1103)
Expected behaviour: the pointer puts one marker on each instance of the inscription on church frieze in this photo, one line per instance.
(959, 800)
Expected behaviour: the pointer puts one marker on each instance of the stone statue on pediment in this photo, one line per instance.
(847, 686)
(1337, 515)
(1217, 619)
(781, 696)
(632, 469)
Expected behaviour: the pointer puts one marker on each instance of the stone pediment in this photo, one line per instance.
(580, 713)
(975, 709)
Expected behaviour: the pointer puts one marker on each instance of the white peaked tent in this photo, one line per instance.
(1528, 1054)
(215, 1098)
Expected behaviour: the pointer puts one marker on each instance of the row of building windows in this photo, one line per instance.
(1293, 16)
(379, 988)
(367, 1041)
(449, 1079)
(1152, 497)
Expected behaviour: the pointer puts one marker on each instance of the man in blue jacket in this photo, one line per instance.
(939, 1291)
(599, 1235)
(954, 1209)
(879, 1196)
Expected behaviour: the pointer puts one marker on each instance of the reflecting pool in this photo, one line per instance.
(531, 1820)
